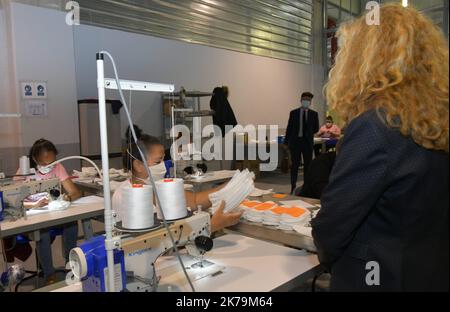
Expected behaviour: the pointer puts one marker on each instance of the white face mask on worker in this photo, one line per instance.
(158, 171)
(45, 169)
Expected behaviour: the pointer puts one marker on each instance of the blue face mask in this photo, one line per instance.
(306, 103)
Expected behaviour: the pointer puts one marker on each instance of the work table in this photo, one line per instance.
(246, 263)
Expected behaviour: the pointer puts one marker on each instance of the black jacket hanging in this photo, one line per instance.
(223, 113)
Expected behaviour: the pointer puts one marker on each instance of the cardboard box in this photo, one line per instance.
(167, 106)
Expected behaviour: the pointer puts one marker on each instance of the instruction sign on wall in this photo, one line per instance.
(33, 90)
(36, 108)
(41, 89)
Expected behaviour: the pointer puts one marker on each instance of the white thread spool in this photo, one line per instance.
(137, 207)
(24, 165)
(173, 201)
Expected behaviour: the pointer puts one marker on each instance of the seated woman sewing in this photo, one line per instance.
(328, 131)
(42, 154)
(155, 161)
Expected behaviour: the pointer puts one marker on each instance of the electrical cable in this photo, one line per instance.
(172, 133)
(77, 157)
(130, 161)
(143, 156)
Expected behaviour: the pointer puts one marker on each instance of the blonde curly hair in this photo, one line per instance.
(400, 66)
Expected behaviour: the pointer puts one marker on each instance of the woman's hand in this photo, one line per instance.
(327, 134)
(42, 202)
(71, 190)
(222, 220)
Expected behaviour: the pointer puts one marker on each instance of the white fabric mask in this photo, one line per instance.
(44, 169)
(158, 171)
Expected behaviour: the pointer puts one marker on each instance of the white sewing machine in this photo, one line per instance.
(14, 193)
(136, 255)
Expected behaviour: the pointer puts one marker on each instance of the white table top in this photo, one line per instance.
(82, 209)
(320, 140)
(251, 265)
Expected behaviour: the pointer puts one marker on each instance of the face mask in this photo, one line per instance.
(158, 171)
(44, 169)
(306, 103)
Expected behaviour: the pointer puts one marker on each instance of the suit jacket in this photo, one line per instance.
(293, 127)
(387, 201)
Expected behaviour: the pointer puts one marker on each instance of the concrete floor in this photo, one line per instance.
(276, 180)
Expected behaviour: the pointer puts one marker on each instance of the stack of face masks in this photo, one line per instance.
(86, 172)
(273, 216)
(293, 216)
(305, 228)
(91, 172)
(239, 188)
(269, 213)
(255, 213)
(247, 207)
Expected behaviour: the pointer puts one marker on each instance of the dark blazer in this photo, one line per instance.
(387, 201)
(292, 130)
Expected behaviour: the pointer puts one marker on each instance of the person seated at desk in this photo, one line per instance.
(328, 131)
(43, 153)
(155, 161)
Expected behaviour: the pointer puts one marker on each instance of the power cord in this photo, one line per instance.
(143, 156)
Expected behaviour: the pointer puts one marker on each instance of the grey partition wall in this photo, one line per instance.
(89, 126)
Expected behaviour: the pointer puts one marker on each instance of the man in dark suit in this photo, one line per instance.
(303, 124)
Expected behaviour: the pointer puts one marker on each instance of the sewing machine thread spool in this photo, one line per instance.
(173, 201)
(137, 207)
(24, 165)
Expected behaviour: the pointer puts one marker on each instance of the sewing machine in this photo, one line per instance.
(136, 254)
(14, 192)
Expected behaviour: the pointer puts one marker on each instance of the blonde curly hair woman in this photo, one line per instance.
(384, 220)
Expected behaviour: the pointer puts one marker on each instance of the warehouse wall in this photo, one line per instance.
(41, 48)
(9, 127)
(263, 90)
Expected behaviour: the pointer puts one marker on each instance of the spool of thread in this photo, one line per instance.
(137, 207)
(24, 165)
(173, 201)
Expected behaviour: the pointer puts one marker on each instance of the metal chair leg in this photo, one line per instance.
(37, 267)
